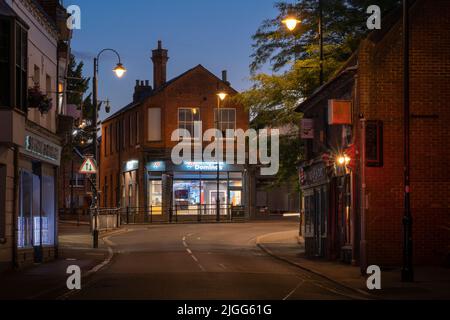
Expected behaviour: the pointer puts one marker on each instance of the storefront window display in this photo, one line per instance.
(36, 221)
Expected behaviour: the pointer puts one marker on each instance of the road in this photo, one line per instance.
(202, 261)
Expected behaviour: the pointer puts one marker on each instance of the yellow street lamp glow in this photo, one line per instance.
(222, 95)
(119, 70)
(343, 160)
(291, 23)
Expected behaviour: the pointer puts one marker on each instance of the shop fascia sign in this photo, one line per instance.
(160, 166)
(203, 166)
(131, 165)
(43, 150)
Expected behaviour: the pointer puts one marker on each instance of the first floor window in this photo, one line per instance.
(225, 119)
(187, 117)
(5, 60)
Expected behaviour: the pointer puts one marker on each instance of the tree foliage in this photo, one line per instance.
(294, 60)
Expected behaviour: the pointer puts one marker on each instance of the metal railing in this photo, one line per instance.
(181, 213)
(104, 219)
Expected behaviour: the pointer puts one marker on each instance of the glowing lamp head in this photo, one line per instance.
(222, 95)
(119, 70)
(291, 23)
(343, 160)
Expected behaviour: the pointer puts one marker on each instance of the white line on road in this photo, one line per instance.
(189, 251)
(293, 290)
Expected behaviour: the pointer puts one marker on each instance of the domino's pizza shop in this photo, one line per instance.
(193, 188)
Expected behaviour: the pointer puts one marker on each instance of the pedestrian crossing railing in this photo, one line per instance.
(182, 213)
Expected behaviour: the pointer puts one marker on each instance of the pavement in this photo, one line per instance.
(431, 283)
(48, 280)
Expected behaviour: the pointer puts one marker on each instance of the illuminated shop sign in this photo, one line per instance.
(156, 166)
(131, 165)
(191, 166)
(42, 149)
(202, 166)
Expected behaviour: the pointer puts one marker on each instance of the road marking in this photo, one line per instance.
(293, 290)
(189, 251)
(195, 259)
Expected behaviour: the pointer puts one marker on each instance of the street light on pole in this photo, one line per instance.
(221, 96)
(119, 70)
(407, 268)
(291, 23)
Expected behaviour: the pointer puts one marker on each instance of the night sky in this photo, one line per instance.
(216, 34)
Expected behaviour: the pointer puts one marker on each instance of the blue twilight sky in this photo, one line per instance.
(214, 33)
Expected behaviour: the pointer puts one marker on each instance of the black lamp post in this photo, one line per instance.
(407, 268)
(119, 70)
(221, 96)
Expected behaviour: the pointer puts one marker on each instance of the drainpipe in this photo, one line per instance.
(363, 242)
(15, 207)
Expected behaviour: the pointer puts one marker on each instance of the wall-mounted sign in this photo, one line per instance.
(203, 166)
(88, 167)
(42, 149)
(131, 165)
(307, 129)
(339, 112)
(156, 166)
(191, 166)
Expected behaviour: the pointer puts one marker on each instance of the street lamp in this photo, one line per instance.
(291, 23)
(221, 96)
(119, 70)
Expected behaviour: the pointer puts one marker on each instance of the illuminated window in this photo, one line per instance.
(226, 120)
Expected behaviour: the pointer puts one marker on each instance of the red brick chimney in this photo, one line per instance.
(159, 58)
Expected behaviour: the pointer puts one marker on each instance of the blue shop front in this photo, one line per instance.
(195, 188)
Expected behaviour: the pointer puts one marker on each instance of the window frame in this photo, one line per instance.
(192, 122)
(219, 122)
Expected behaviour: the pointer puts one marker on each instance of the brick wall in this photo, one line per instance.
(196, 89)
(381, 87)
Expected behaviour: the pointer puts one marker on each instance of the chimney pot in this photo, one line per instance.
(224, 76)
(159, 58)
(147, 83)
(137, 82)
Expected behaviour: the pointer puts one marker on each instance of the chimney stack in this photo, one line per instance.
(159, 58)
(225, 77)
(142, 90)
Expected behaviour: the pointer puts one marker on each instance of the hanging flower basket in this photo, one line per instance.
(38, 100)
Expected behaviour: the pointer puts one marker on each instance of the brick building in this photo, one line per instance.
(354, 212)
(136, 170)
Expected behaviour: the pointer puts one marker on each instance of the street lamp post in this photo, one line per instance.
(291, 23)
(119, 70)
(221, 96)
(407, 268)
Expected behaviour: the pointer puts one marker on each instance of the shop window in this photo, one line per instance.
(187, 117)
(25, 219)
(5, 60)
(226, 119)
(47, 219)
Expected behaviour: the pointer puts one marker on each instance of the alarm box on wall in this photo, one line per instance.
(339, 112)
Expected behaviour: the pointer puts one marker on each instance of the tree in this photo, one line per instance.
(77, 84)
(294, 59)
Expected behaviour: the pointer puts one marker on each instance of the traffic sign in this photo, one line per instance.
(88, 167)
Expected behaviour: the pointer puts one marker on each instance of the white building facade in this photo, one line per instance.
(31, 99)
